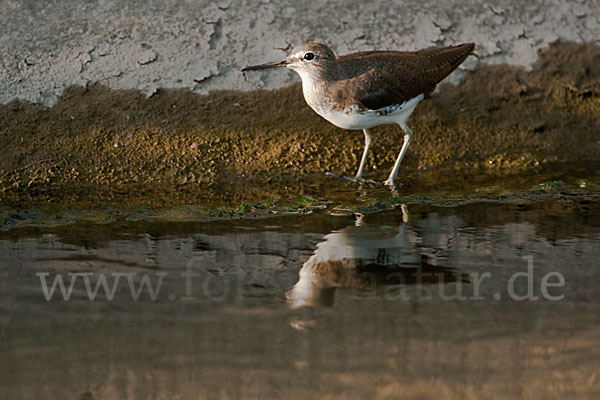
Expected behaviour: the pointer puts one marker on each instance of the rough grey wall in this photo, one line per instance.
(201, 45)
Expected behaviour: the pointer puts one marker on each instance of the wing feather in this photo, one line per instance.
(380, 79)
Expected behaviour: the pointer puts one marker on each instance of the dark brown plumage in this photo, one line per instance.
(379, 79)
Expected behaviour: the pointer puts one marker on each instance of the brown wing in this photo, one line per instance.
(379, 89)
(389, 78)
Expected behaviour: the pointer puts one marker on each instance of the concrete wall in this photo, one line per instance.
(201, 45)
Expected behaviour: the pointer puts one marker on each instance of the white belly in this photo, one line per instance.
(352, 118)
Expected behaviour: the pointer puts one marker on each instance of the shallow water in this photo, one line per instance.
(415, 302)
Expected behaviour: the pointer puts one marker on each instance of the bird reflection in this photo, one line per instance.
(366, 258)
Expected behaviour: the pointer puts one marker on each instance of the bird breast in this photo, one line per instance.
(314, 95)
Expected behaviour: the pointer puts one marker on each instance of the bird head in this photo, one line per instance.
(309, 60)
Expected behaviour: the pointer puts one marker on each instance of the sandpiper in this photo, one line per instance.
(366, 89)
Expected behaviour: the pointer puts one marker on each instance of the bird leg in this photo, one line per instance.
(363, 160)
(407, 139)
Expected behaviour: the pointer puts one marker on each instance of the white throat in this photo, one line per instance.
(313, 89)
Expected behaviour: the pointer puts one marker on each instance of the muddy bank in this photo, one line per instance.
(502, 120)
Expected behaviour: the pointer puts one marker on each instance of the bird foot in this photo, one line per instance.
(357, 179)
(393, 187)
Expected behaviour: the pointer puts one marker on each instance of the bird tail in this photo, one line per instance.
(457, 54)
(447, 59)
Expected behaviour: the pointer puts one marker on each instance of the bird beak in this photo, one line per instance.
(283, 63)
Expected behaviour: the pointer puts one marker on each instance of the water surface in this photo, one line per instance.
(414, 302)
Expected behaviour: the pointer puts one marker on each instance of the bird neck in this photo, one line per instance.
(313, 88)
(315, 82)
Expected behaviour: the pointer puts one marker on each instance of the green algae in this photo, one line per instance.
(333, 196)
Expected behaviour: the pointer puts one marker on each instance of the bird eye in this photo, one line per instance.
(309, 56)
